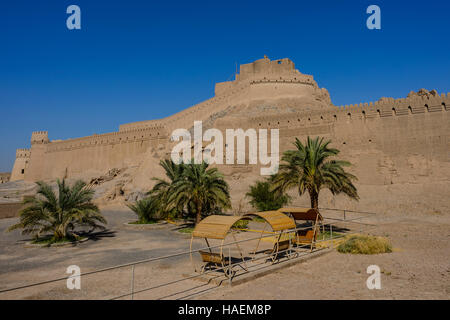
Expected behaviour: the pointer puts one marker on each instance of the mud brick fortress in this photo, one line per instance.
(390, 141)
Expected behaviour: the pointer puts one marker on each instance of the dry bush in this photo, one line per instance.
(365, 244)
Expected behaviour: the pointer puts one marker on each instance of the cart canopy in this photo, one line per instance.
(215, 226)
(277, 220)
(307, 214)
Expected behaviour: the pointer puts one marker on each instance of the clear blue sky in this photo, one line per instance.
(138, 60)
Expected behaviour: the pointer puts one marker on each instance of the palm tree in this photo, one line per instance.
(59, 214)
(146, 209)
(205, 189)
(161, 190)
(263, 199)
(309, 168)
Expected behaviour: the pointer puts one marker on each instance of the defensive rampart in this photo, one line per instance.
(390, 140)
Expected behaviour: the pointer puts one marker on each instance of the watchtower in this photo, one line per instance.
(39, 137)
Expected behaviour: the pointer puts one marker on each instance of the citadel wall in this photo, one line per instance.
(378, 137)
(91, 155)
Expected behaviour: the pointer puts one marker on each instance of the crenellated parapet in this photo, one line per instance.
(112, 138)
(303, 79)
(281, 71)
(149, 124)
(266, 67)
(39, 137)
(23, 153)
(386, 107)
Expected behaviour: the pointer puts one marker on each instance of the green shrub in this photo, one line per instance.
(49, 240)
(263, 199)
(365, 244)
(258, 219)
(186, 230)
(241, 224)
(325, 235)
(146, 209)
(144, 222)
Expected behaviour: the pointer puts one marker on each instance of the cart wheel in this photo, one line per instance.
(274, 258)
(229, 273)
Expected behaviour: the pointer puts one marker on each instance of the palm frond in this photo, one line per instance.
(310, 167)
(59, 214)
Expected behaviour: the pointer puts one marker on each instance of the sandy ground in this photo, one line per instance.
(419, 267)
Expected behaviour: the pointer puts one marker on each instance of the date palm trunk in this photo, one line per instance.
(199, 213)
(314, 199)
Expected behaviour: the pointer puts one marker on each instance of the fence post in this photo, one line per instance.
(331, 235)
(132, 282)
(344, 214)
(229, 266)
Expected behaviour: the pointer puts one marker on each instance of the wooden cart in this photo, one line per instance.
(216, 227)
(281, 224)
(307, 236)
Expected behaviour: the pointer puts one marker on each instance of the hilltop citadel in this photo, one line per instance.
(390, 141)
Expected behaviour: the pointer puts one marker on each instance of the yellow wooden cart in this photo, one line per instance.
(216, 227)
(281, 224)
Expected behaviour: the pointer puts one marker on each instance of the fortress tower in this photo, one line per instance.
(21, 164)
(36, 166)
(276, 84)
(265, 67)
(39, 137)
(268, 86)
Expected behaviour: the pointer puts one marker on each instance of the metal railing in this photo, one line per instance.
(264, 258)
